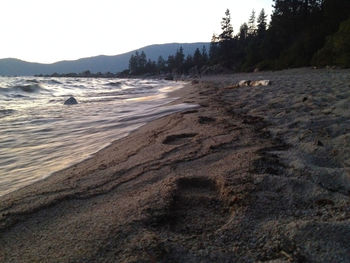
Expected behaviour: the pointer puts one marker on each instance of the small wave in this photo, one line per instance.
(33, 81)
(6, 112)
(18, 96)
(146, 88)
(18, 91)
(5, 90)
(115, 84)
(53, 81)
(29, 88)
(55, 100)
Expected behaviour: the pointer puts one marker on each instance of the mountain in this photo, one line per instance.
(117, 63)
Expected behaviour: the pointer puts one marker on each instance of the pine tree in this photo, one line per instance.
(188, 64)
(179, 60)
(197, 58)
(243, 32)
(213, 49)
(161, 64)
(204, 56)
(142, 62)
(262, 26)
(132, 64)
(251, 24)
(137, 63)
(171, 65)
(226, 27)
(225, 51)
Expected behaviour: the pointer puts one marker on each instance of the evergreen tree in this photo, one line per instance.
(171, 65)
(214, 50)
(262, 26)
(204, 56)
(138, 63)
(337, 48)
(151, 67)
(243, 32)
(225, 54)
(179, 60)
(226, 27)
(251, 24)
(197, 58)
(132, 64)
(142, 61)
(161, 64)
(188, 64)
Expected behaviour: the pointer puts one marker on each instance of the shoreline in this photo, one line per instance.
(163, 94)
(176, 95)
(240, 178)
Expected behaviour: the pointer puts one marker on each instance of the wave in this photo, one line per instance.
(30, 88)
(115, 84)
(33, 81)
(6, 112)
(54, 81)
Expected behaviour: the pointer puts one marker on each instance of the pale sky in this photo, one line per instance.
(47, 31)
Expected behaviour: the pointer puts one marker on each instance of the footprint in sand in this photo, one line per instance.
(196, 207)
(178, 139)
(205, 120)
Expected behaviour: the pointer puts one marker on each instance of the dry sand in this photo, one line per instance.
(253, 174)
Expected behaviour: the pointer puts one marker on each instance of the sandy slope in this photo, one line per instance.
(253, 174)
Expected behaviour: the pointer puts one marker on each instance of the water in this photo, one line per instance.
(40, 135)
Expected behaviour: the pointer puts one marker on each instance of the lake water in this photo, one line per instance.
(40, 135)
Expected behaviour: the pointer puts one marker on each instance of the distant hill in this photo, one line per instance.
(117, 63)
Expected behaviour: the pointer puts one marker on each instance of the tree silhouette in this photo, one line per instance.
(243, 32)
(226, 27)
(161, 64)
(262, 25)
(214, 50)
(251, 24)
(225, 41)
(179, 60)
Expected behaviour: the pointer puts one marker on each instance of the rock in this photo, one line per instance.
(253, 83)
(71, 101)
(256, 83)
(244, 83)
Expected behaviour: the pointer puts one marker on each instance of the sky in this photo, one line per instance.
(47, 31)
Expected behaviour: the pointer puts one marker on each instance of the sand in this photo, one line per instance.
(252, 174)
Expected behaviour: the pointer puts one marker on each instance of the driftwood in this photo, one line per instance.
(251, 83)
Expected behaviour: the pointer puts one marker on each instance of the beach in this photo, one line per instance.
(252, 174)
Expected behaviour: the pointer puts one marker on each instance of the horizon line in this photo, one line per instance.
(100, 55)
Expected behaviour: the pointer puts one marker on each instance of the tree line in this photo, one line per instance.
(299, 33)
(177, 63)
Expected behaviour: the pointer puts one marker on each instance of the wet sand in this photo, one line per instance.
(252, 174)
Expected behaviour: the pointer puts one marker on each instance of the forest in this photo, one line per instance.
(300, 33)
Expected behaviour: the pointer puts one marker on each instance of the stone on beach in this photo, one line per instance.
(244, 83)
(257, 83)
(71, 101)
(251, 83)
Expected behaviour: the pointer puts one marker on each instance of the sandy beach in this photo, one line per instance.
(253, 174)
